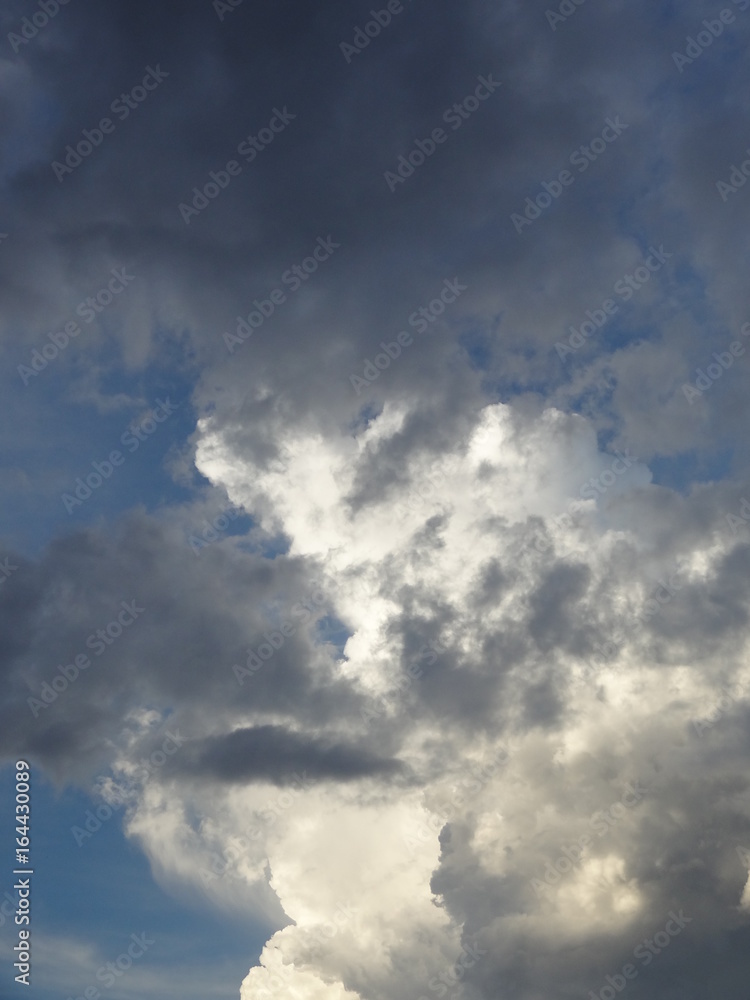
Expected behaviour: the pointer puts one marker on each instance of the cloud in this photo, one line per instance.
(272, 753)
(491, 578)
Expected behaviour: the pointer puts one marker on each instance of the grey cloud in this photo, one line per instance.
(272, 753)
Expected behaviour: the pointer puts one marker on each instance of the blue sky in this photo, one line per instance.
(103, 891)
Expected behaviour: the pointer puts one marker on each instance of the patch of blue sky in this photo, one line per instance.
(333, 631)
(101, 892)
(59, 440)
(478, 348)
(682, 472)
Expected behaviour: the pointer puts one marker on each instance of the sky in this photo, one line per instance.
(375, 538)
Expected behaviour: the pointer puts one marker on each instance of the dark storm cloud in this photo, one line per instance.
(194, 619)
(323, 176)
(677, 842)
(549, 624)
(272, 753)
